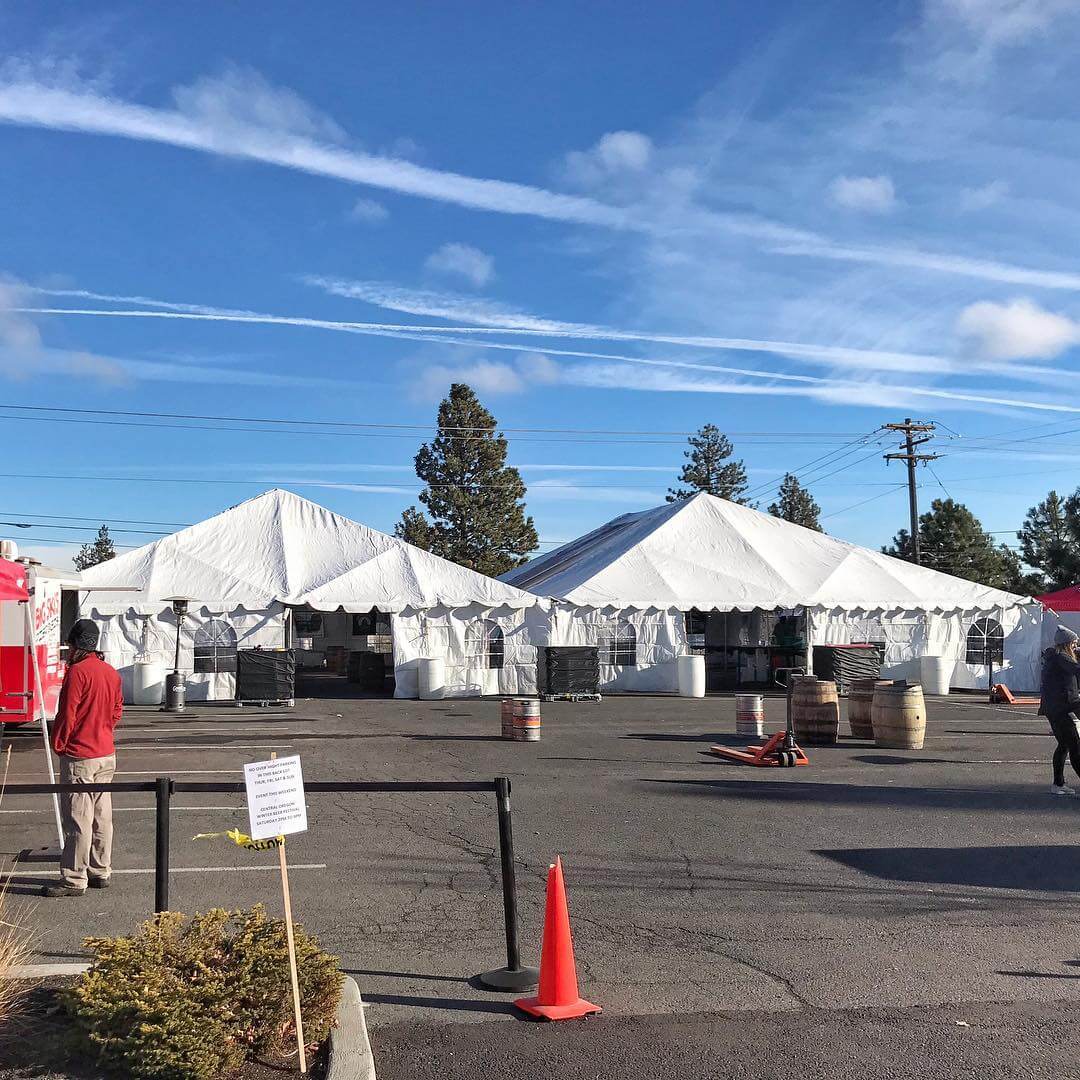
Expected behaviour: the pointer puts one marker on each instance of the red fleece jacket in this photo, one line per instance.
(90, 706)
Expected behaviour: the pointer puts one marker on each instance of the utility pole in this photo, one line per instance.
(910, 428)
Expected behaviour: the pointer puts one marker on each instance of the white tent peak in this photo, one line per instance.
(282, 547)
(707, 553)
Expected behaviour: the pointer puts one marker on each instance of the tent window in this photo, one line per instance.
(986, 643)
(215, 647)
(485, 644)
(619, 646)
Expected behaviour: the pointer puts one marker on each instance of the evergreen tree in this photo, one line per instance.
(415, 528)
(1050, 540)
(796, 504)
(475, 500)
(707, 468)
(101, 550)
(953, 541)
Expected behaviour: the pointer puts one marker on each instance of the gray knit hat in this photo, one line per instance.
(1064, 636)
(84, 635)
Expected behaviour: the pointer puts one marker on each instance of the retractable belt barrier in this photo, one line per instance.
(513, 976)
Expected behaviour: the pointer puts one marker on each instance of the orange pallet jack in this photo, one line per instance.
(781, 751)
(1000, 694)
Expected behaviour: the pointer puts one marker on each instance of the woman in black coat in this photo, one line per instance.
(1061, 703)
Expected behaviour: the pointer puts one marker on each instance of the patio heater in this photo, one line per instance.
(175, 688)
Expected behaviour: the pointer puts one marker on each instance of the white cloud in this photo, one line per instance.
(538, 368)
(984, 197)
(1000, 22)
(484, 376)
(255, 134)
(462, 261)
(831, 389)
(23, 354)
(241, 98)
(369, 212)
(616, 152)
(871, 194)
(1017, 330)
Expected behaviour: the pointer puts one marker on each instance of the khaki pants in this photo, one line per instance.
(87, 820)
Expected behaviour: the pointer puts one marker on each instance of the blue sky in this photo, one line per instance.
(798, 222)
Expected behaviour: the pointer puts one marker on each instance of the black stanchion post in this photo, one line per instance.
(162, 795)
(513, 977)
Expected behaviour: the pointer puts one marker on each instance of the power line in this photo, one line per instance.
(75, 528)
(106, 521)
(763, 490)
(69, 541)
(855, 506)
(398, 427)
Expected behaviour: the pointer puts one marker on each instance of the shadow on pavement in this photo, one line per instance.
(1041, 867)
(647, 737)
(404, 975)
(503, 1008)
(1037, 975)
(1027, 799)
(456, 738)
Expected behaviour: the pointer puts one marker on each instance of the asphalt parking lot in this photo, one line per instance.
(940, 879)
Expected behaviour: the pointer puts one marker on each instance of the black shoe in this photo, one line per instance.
(63, 889)
(100, 882)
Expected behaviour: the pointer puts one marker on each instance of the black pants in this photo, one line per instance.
(1063, 725)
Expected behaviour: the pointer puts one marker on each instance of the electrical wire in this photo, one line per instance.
(855, 506)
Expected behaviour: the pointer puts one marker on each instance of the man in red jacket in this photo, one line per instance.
(82, 735)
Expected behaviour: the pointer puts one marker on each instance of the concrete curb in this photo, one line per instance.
(44, 971)
(350, 1055)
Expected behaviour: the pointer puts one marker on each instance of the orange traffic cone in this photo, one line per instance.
(557, 997)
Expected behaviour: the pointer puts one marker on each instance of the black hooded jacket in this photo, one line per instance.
(1060, 689)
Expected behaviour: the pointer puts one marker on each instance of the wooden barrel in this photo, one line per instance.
(506, 714)
(750, 715)
(526, 720)
(860, 700)
(815, 711)
(899, 716)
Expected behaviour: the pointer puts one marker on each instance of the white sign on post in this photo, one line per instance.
(275, 797)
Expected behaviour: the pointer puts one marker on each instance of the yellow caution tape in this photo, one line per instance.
(243, 840)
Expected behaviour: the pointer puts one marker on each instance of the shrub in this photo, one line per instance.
(193, 999)
(15, 949)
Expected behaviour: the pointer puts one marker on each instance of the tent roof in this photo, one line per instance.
(12, 581)
(1067, 599)
(707, 553)
(281, 547)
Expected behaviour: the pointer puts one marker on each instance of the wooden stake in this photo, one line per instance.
(292, 951)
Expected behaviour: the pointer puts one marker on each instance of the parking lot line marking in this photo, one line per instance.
(180, 772)
(130, 809)
(176, 870)
(211, 746)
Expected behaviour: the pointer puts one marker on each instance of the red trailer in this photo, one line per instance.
(31, 667)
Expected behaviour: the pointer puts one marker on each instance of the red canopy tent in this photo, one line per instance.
(12, 581)
(1067, 599)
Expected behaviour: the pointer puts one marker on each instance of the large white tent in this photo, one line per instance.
(638, 576)
(251, 569)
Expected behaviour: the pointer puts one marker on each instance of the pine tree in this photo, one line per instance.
(796, 504)
(953, 541)
(707, 468)
(1050, 540)
(101, 550)
(475, 500)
